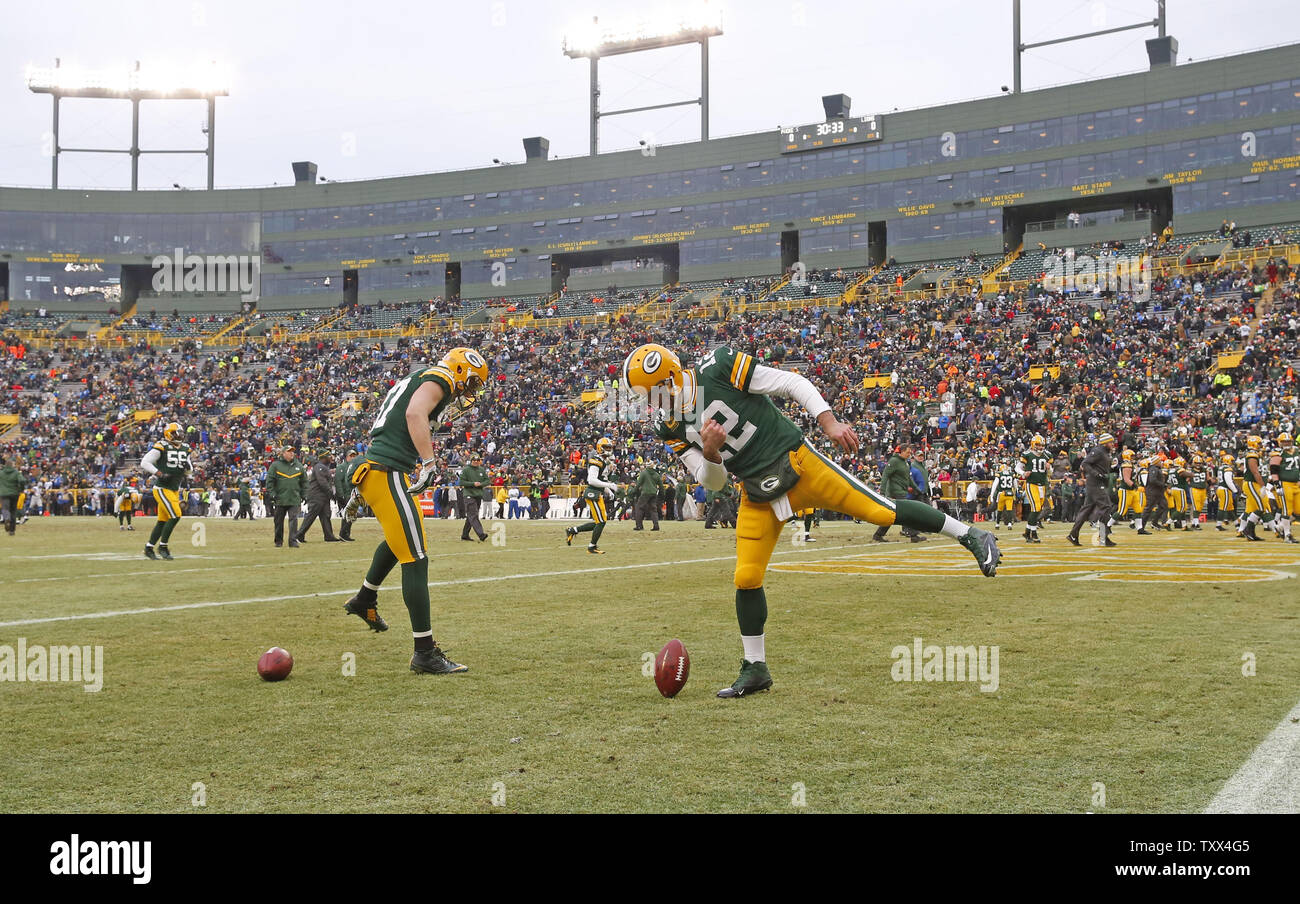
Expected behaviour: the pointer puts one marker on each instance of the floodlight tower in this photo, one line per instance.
(201, 84)
(595, 41)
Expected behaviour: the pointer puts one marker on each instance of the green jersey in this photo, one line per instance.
(757, 432)
(1006, 480)
(1197, 480)
(1289, 470)
(390, 441)
(173, 464)
(1036, 466)
(602, 473)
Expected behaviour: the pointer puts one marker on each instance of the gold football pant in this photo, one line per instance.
(169, 504)
(822, 485)
(387, 494)
(1256, 501)
(1289, 499)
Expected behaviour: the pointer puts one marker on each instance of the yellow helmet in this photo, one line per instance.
(173, 432)
(468, 370)
(1254, 442)
(1037, 442)
(604, 445)
(1180, 462)
(1285, 440)
(1226, 458)
(650, 367)
(1127, 455)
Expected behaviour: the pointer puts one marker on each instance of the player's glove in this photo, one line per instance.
(352, 510)
(425, 479)
(609, 494)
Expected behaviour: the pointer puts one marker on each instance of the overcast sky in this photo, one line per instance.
(387, 88)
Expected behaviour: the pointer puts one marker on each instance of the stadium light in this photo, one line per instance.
(204, 82)
(593, 40)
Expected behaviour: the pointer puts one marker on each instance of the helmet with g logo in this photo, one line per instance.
(468, 370)
(652, 366)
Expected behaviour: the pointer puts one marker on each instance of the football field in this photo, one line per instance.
(1136, 679)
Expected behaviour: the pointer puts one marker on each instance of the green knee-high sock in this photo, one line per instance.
(415, 593)
(584, 528)
(751, 611)
(596, 532)
(807, 524)
(167, 530)
(381, 564)
(917, 516)
(156, 532)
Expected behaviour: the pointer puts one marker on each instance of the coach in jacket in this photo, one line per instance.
(320, 492)
(286, 482)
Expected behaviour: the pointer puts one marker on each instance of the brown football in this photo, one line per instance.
(275, 664)
(672, 668)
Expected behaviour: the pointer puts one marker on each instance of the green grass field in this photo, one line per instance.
(1123, 668)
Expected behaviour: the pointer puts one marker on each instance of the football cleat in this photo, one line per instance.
(984, 547)
(1074, 541)
(569, 534)
(149, 553)
(595, 551)
(754, 677)
(164, 553)
(367, 612)
(435, 662)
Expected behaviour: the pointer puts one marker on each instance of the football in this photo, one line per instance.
(672, 667)
(276, 664)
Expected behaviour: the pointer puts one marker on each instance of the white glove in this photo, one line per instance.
(426, 478)
(609, 494)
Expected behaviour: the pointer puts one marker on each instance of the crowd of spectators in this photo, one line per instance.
(965, 376)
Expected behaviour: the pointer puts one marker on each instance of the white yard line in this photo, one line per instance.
(352, 589)
(1269, 782)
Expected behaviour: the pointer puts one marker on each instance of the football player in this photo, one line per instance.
(1225, 494)
(1127, 486)
(597, 492)
(719, 417)
(1257, 506)
(1288, 473)
(1033, 469)
(1198, 485)
(1003, 492)
(401, 439)
(168, 463)
(126, 501)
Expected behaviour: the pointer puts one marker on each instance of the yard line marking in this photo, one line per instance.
(1269, 782)
(297, 596)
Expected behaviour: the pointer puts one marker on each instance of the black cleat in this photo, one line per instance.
(1144, 533)
(754, 677)
(1074, 541)
(149, 553)
(434, 662)
(1110, 542)
(164, 553)
(569, 534)
(367, 612)
(984, 547)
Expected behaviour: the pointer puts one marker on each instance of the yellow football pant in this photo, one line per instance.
(1006, 502)
(387, 494)
(1198, 499)
(1256, 501)
(1035, 494)
(1227, 505)
(597, 508)
(169, 504)
(822, 484)
(1289, 499)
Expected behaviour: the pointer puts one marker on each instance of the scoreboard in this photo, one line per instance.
(830, 134)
